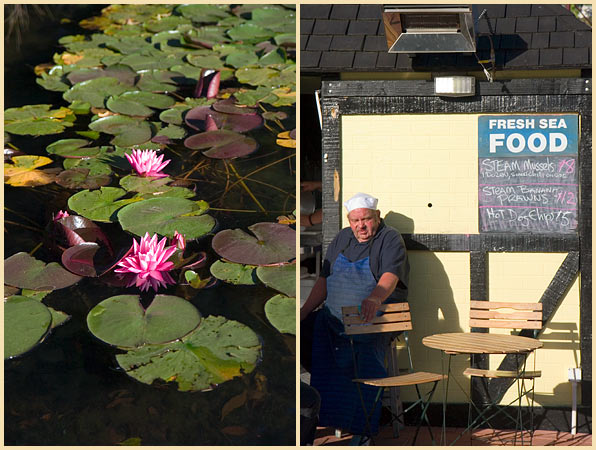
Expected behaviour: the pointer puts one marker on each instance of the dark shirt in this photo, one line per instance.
(387, 254)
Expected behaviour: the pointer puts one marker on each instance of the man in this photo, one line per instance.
(365, 265)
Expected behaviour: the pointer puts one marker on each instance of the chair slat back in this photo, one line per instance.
(524, 316)
(396, 317)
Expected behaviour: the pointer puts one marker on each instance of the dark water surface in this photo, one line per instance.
(69, 390)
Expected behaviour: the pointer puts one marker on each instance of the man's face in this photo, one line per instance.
(364, 223)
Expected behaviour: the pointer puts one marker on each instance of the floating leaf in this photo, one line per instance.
(95, 91)
(223, 144)
(274, 243)
(206, 62)
(195, 280)
(281, 312)
(236, 149)
(217, 351)
(121, 320)
(281, 278)
(123, 73)
(99, 205)
(95, 166)
(37, 120)
(24, 271)
(37, 295)
(148, 187)
(87, 259)
(22, 172)
(203, 13)
(26, 322)
(284, 139)
(249, 32)
(164, 216)
(127, 131)
(58, 317)
(80, 178)
(128, 107)
(230, 107)
(72, 148)
(233, 273)
(241, 59)
(52, 83)
(196, 118)
(131, 441)
(156, 80)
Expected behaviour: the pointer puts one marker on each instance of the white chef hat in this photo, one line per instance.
(361, 200)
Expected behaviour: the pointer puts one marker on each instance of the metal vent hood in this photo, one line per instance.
(429, 28)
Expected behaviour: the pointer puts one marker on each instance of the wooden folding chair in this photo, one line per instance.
(508, 315)
(395, 318)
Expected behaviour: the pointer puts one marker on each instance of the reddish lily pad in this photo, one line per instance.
(233, 150)
(24, 271)
(210, 139)
(274, 243)
(197, 117)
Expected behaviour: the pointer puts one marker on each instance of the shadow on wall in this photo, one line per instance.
(430, 296)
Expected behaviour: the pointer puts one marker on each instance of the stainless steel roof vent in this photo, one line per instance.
(429, 28)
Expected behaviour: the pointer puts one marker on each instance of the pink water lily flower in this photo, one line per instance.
(147, 163)
(148, 264)
(61, 214)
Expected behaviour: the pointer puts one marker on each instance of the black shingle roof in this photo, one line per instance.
(350, 37)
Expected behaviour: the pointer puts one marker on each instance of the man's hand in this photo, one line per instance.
(368, 309)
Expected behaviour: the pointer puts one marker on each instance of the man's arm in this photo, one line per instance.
(317, 295)
(385, 286)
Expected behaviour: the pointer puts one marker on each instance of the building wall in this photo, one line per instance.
(424, 170)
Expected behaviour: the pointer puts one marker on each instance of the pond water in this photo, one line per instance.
(69, 390)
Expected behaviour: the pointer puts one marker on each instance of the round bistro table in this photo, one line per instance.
(480, 344)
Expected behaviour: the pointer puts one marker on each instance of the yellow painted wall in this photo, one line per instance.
(409, 161)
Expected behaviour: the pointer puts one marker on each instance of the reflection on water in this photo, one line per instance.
(70, 391)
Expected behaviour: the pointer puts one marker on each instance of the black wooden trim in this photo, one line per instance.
(424, 88)
(478, 291)
(502, 242)
(551, 299)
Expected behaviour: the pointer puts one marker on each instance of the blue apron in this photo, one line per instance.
(332, 361)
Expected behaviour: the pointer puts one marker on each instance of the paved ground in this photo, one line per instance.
(326, 436)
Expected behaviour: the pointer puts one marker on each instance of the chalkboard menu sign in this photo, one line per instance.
(528, 174)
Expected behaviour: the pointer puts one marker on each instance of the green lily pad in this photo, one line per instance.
(249, 32)
(274, 243)
(58, 317)
(273, 16)
(254, 96)
(164, 216)
(37, 120)
(276, 56)
(204, 13)
(148, 187)
(128, 107)
(167, 134)
(24, 271)
(127, 131)
(281, 278)
(217, 351)
(174, 115)
(95, 91)
(99, 205)
(233, 273)
(159, 80)
(121, 320)
(128, 45)
(281, 312)
(206, 62)
(52, 83)
(241, 59)
(165, 23)
(72, 148)
(26, 323)
(194, 280)
(94, 165)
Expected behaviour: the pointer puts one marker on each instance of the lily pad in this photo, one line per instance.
(281, 312)
(95, 166)
(197, 117)
(203, 13)
(148, 187)
(233, 273)
(241, 59)
(249, 32)
(128, 107)
(24, 271)
(237, 149)
(26, 323)
(127, 131)
(125, 74)
(99, 205)
(23, 171)
(80, 178)
(281, 278)
(205, 62)
(164, 216)
(72, 148)
(121, 320)
(274, 243)
(58, 317)
(95, 91)
(217, 351)
(37, 120)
